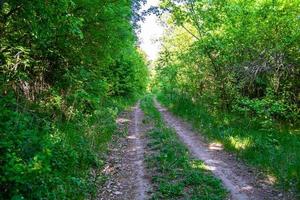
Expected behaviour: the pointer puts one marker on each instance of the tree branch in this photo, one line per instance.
(198, 38)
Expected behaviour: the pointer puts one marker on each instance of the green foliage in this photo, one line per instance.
(176, 175)
(67, 68)
(232, 50)
(232, 67)
(273, 150)
(266, 111)
(43, 159)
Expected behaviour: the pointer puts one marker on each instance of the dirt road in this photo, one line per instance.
(128, 178)
(125, 168)
(240, 180)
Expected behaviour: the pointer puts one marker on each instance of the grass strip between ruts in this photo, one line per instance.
(175, 174)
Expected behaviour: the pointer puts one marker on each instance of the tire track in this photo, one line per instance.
(143, 184)
(127, 177)
(237, 178)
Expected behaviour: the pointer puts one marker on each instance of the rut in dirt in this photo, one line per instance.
(241, 181)
(143, 184)
(125, 169)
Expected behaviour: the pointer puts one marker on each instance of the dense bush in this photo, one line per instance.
(234, 54)
(67, 68)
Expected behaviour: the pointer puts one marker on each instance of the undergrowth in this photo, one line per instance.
(46, 159)
(175, 174)
(274, 150)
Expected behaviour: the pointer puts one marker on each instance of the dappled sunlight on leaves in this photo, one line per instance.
(240, 143)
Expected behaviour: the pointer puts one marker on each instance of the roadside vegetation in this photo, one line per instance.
(232, 69)
(67, 69)
(273, 151)
(175, 174)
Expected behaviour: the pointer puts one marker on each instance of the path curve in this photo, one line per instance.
(236, 177)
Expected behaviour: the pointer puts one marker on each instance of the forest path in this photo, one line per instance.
(127, 178)
(241, 181)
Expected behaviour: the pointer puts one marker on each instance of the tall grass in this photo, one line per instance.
(274, 151)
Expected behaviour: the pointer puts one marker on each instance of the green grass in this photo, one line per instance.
(274, 151)
(175, 174)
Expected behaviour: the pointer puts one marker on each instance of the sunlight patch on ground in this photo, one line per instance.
(200, 165)
(133, 137)
(271, 179)
(215, 146)
(122, 120)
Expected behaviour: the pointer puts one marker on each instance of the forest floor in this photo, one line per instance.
(128, 177)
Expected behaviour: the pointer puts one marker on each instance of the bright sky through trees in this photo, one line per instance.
(150, 32)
